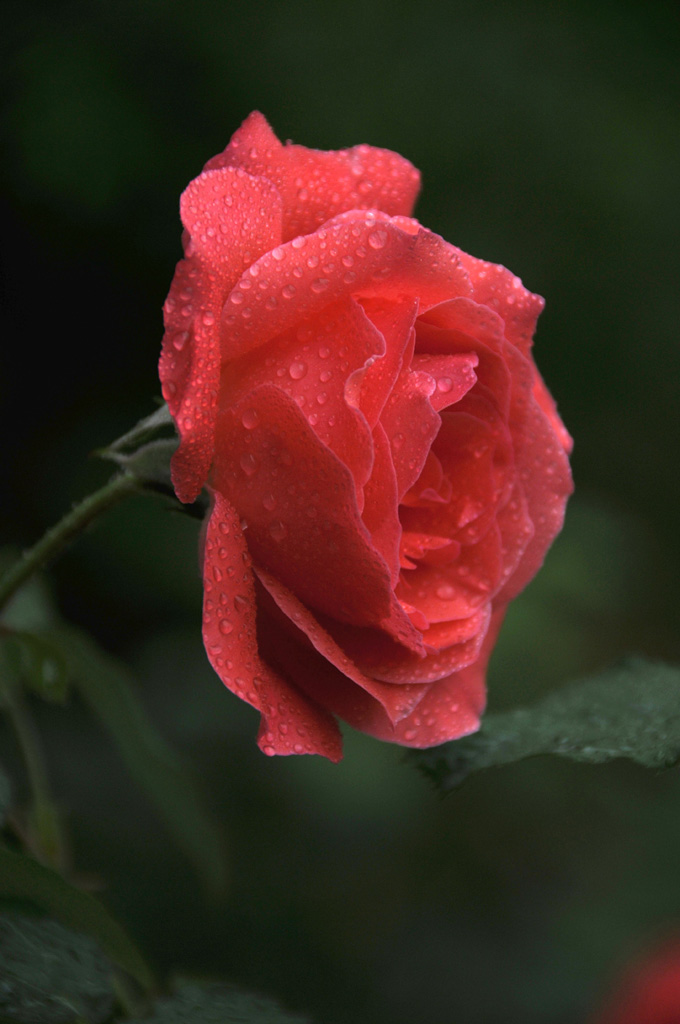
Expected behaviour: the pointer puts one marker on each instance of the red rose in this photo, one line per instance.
(386, 466)
(649, 993)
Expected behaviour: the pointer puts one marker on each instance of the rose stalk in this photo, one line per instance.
(385, 464)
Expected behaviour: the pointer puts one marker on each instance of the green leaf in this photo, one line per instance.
(630, 711)
(141, 432)
(110, 691)
(50, 974)
(150, 464)
(217, 1004)
(22, 878)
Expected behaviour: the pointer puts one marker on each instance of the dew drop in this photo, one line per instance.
(297, 369)
(248, 464)
(225, 627)
(236, 298)
(180, 339)
(397, 441)
(269, 502)
(278, 530)
(288, 291)
(322, 398)
(444, 384)
(240, 603)
(377, 238)
(250, 420)
(445, 592)
(325, 376)
(319, 284)
(324, 352)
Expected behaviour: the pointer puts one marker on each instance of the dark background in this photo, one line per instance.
(547, 136)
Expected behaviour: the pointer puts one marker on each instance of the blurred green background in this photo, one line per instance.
(547, 136)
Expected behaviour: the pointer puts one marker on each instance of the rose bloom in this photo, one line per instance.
(385, 465)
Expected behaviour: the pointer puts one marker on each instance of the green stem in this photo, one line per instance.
(73, 523)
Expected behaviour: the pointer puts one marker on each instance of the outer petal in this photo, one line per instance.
(231, 220)
(499, 289)
(316, 185)
(291, 722)
(314, 364)
(364, 255)
(311, 537)
(545, 478)
(397, 701)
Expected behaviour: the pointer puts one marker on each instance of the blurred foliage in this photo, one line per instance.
(548, 140)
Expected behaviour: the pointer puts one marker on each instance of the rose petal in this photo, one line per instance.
(453, 375)
(231, 220)
(308, 273)
(313, 363)
(291, 722)
(411, 424)
(312, 537)
(452, 646)
(316, 185)
(499, 289)
(547, 404)
(371, 387)
(545, 478)
(396, 700)
(451, 708)
(457, 590)
(381, 507)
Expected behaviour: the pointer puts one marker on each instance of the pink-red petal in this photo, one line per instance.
(397, 701)
(362, 254)
(231, 219)
(451, 708)
(291, 722)
(311, 536)
(316, 185)
(497, 288)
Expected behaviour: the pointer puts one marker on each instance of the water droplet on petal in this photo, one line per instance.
(250, 419)
(319, 284)
(445, 592)
(444, 384)
(377, 238)
(248, 464)
(278, 530)
(225, 627)
(288, 291)
(297, 369)
(180, 339)
(269, 502)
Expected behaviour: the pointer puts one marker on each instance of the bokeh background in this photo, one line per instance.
(547, 136)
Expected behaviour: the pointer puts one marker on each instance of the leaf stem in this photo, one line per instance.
(73, 523)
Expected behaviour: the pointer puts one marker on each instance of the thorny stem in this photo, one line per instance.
(73, 523)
